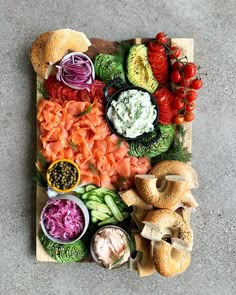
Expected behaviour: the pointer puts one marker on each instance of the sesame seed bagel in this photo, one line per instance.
(161, 222)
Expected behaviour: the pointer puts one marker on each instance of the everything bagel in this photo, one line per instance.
(168, 260)
(161, 222)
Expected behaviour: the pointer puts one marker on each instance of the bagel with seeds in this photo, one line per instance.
(168, 260)
(173, 167)
(164, 222)
(170, 194)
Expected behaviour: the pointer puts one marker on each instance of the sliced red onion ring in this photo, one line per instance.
(76, 71)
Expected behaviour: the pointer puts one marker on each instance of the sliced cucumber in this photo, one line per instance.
(113, 207)
(90, 187)
(99, 215)
(93, 205)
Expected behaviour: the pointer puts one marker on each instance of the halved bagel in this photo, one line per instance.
(171, 193)
(37, 55)
(168, 260)
(142, 263)
(173, 167)
(61, 42)
(161, 222)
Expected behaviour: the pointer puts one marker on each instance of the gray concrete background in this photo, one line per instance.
(212, 25)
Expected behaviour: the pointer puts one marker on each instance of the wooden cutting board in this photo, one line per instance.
(109, 47)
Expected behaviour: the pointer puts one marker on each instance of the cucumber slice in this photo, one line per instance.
(93, 205)
(111, 220)
(99, 215)
(113, 207)
(90, 187)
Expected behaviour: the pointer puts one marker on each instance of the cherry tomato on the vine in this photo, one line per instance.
(190, 106)
(176, 52)
(190, 70)
(185, 82)
(180, 92)
(162, 37)
(176, 76)
(189, 116)
(179, 119)
(191, 95)
(196, 84)
(178, 104)
(177, 65)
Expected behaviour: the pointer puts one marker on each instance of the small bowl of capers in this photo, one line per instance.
(63, 175)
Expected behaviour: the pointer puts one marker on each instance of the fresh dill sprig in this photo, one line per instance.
(73, 145)
(177, 150)
(93, 168)
(88, 110)
(42, 160)
(43, 91)
(39, 179)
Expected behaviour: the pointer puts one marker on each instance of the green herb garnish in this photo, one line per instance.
(177, 151)
(39, 179)
(88, 110)
(73, 145)
(93, 168)
(119, 142)
(43, 91)
(42, 160)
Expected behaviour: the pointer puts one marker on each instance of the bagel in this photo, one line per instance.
(37, 58)
(138, 215)
(142, 263)
(161, 222)
(169, 261)
(173, 167)
(132, 198)
(170, 194)
(61, 42)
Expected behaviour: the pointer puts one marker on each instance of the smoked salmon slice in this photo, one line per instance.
(77, 129)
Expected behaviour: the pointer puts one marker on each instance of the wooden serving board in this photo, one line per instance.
(109, 47)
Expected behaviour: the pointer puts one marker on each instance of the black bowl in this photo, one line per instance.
(117, 82)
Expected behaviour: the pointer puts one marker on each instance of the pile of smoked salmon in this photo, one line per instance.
(72, 125)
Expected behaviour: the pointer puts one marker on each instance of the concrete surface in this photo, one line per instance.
(212, 25)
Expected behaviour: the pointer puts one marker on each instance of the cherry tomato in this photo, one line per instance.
(178, 104)
(176, 52)
(179, 119)
(177, 65)
(180, 92)
(175, 76)
(191, 95)
(196, 84)
(189, 116)
(161, 37)
(190, 106)
(185, 82)
(190, 70)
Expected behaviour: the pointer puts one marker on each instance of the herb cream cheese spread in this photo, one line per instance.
(133, 113)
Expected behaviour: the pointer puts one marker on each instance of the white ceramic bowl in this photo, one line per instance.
(84, 211)
(82, 55)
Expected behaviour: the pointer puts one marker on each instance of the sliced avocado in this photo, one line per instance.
(139, 71)
(152, 149)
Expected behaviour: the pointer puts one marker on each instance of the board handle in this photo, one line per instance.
(117, 82)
